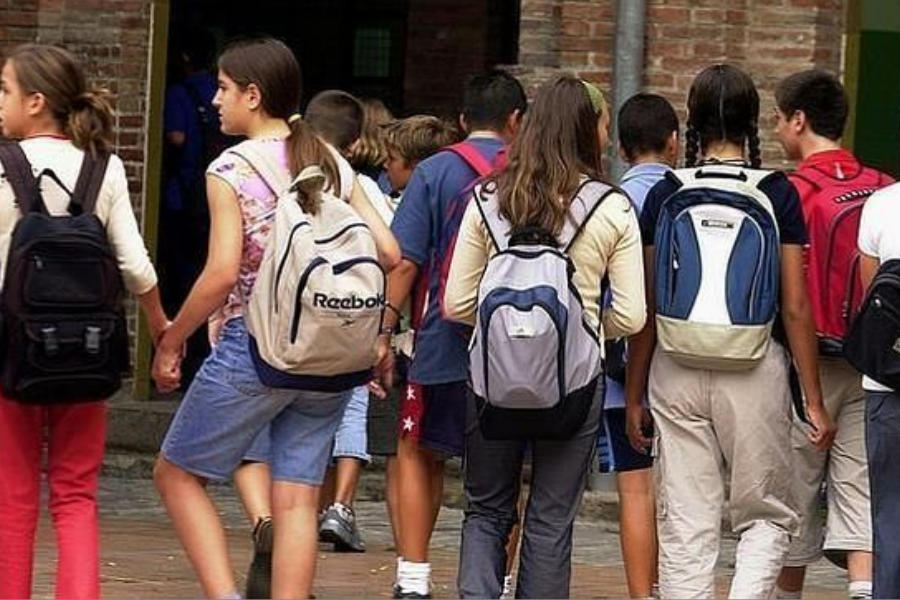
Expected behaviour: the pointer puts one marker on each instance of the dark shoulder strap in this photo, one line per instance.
(90, 180)
(18, 172)
(470, 154)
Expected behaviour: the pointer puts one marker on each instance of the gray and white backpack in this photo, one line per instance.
(316, 307)
(534, 360)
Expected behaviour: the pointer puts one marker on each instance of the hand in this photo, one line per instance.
(157, 329)
(822, 429)
(377, 390)
(167, 364)
(384, 363)
(637, 420)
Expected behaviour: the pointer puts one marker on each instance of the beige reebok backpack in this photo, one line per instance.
(317, 304)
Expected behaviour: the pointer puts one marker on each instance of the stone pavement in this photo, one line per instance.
(142, 559)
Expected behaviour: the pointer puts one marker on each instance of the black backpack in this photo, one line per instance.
(873, 344)
(63, 333)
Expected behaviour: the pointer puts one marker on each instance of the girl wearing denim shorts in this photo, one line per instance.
(226, 405)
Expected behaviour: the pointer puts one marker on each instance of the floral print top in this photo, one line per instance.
(257, 203)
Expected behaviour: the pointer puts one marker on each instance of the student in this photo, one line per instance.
(648, 141)
(811, 112)
(433, 415)
(553, 161)
(191, 139)
(46, 103)
(721, 403)
(879, 242)
(369, 154)
(407, 142)
(227, 406)
(337, 117)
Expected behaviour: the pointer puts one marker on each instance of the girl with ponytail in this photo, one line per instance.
(55, 118)
(226, 405)
(710, 420)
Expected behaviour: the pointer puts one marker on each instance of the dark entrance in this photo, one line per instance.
(414, 55)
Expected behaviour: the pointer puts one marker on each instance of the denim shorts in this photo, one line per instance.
(227, 406)
(350, 439)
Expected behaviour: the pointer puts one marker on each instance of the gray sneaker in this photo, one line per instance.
(338, 527)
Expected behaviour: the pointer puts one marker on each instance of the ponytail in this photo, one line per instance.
(305, 149)
(691, 146)
(753, 150)
(90, 122)
(84, 114)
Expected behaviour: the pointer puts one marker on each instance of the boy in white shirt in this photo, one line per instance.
(879, 242)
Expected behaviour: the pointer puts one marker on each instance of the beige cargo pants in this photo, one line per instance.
(844, 468)
(711, 425)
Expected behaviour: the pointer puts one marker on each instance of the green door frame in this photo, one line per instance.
(851, 67)
(159, 35)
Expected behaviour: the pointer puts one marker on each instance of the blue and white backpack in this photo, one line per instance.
(717, 268)
(534, 360)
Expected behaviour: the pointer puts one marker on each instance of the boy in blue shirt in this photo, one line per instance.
(433, 414)
(648, 140)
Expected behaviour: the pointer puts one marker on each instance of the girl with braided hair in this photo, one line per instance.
(720, 401)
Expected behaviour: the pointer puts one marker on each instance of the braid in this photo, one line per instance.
(691, 146)
(753, 150)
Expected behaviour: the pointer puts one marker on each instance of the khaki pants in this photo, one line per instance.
(844, 468)
(711, 424)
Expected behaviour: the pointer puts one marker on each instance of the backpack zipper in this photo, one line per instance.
(847, 307)
(304, 278)
(833, 225)
(284, 258)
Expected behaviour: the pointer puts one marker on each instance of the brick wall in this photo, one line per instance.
(111, 39)
(767, 38)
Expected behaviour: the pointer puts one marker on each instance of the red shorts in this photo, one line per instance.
(435, 416)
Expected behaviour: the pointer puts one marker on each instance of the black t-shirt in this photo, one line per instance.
(781, 192)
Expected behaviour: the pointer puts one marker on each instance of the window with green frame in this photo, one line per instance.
(372, 52)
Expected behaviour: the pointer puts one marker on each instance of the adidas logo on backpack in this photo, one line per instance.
(534, 360)
(318, 300)
(717, 268)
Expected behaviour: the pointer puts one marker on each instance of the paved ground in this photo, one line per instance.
(142, 559)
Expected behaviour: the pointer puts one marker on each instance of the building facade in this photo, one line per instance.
(417, 53)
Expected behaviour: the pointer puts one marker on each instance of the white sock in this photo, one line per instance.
(860, 590)
(507, 586)
(400, 561)
(781, 594)
(414, 577)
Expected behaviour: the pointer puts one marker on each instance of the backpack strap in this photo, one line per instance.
(90, 180)
(470, 154)
(489, 208)
(585, 202)
(276, 178)
(18, 172)
(587, 199)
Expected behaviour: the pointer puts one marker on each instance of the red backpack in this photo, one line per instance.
(832, 208)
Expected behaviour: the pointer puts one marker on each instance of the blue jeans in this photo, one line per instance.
(883, 445)
(226, 407)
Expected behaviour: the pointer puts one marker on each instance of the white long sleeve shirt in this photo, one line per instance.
(113, 207)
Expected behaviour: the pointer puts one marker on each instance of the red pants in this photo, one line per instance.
(75, 436)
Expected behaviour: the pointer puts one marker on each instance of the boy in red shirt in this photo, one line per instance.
(833, 185)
